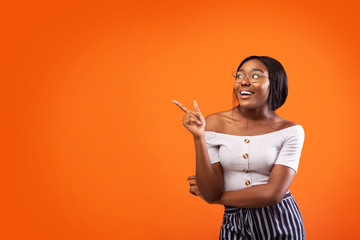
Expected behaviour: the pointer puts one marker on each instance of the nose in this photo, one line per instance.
(245, 81)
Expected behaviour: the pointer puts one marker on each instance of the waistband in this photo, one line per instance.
(229, 209)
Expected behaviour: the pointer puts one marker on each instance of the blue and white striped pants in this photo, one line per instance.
(280, 221)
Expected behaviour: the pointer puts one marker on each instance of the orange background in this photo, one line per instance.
(93, 148)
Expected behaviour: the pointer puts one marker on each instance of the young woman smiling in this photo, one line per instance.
(247, 157)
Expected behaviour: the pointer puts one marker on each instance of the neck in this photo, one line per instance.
(256, 114)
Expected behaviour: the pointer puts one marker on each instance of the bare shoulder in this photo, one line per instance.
(216, 121)
(286, 123)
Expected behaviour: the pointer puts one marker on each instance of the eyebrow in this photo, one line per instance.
(254, 69)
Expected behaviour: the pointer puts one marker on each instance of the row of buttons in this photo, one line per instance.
(246, 156)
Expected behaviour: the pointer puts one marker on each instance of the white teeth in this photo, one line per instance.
(246, 93)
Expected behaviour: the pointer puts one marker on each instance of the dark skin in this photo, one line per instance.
(251, 117)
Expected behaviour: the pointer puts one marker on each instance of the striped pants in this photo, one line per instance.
(280, 221)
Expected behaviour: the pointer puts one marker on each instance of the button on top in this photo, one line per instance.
(247, 182)
(246, 156)
(246, 140)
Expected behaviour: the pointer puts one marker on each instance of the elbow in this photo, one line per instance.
(275, 197)
(212, 198)
(275, 200)
(211, 195)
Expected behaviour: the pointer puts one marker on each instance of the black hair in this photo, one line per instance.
(278, 81)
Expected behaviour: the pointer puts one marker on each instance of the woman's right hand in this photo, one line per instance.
(193, 120)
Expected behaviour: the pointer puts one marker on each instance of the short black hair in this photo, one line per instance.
(278, 81)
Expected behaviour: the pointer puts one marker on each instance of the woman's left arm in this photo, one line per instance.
(261, 195)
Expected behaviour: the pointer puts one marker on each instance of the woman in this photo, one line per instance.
(247, 157)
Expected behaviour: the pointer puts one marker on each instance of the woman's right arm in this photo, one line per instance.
(208, 177)
(194, 189)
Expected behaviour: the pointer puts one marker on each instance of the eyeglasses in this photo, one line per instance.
(253, 77)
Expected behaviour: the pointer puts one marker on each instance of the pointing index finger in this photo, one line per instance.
(181, 106)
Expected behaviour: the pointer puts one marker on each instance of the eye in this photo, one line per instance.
(255, 75)
(240, 75)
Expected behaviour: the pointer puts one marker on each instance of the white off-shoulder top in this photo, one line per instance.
(248, 160)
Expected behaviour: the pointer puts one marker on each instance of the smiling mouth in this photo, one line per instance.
(246, 93)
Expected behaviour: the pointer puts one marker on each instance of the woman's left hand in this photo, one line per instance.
(194, 190)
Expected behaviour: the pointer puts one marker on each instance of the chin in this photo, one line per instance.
(247, 105)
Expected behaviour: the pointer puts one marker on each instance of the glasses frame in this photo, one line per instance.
(235, 76)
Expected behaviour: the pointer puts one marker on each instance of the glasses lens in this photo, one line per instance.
(240, 75)
(255, 76)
